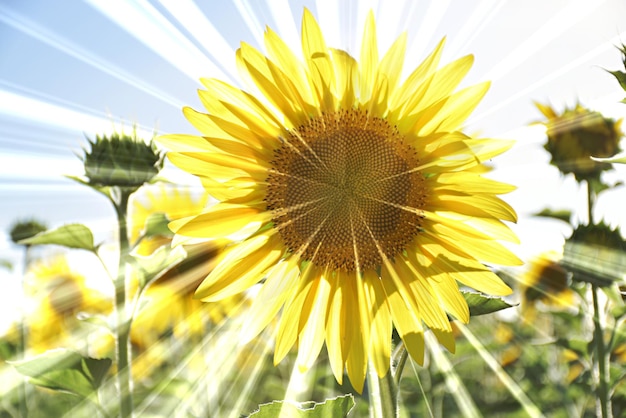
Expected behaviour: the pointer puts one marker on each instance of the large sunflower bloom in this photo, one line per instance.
(351, 194)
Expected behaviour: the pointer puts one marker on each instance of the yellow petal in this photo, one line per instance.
(422, 72)
(358, 311)
(445, 338)
(408, 325)
(201, 168)
(313, 320)
(469, 183)
(478, 205)
(456, 109)
(369, 58)
(391, 64)
(221, 220)
(346, 78)
(227, 94)
(421, 292)
(255, 65)
(285, 59)
(240, 267)
(279, 285)
(335, 343)
(488, 251)
(380, 340)
(317, 56)
(289, 327)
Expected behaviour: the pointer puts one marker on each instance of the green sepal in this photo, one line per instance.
(105, 190)
(560, 214)
(620, 76)
(71, 236)
(480, 304)
(148, 268)
(65, 370)
(335, 407)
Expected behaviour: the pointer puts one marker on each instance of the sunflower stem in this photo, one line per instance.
(21, 348)
(603, 389)
(604, 406)
(400, 356)
(122, 324)
(383, 394)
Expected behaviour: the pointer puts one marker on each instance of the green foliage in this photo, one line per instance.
(481, 305)
(70, 236)
(562, 214)
(336, 407)
(148, 268)
(620, 75)
(65, 370)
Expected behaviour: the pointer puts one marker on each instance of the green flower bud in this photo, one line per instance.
(25, 229)
(595, 254)
(121, 160)
(578, 134)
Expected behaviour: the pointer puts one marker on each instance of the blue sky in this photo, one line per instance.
(68, 68)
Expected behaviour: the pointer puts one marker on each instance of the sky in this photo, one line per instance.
(71, 69)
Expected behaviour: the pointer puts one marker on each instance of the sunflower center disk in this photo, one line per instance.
(342, 190)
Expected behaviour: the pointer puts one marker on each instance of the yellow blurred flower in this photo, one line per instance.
(58, 294)
(577, 134)
(353, 194)
(546, 281)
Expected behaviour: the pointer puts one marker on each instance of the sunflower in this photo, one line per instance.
(576, 135)
(548, 282)
(352, 196)
(58, 294)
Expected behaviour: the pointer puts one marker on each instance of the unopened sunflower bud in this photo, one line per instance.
(121, 160)
(25, 229)
(575, 136)
(595, 254)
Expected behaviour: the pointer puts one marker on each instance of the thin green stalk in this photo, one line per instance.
(603, 388)
(598, 335)
(122, 325)
(383, 394)
(21, 349)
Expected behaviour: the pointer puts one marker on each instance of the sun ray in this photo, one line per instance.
(145, 23)
(515, 390)
(68, 47)
(569, 15)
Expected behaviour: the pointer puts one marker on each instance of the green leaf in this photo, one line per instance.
(96, 369)
(70, 236)
(6, 264)
(621, 77)
(160, 260)
(156, 225)
(65, 370)
(335, 407)
(481, 305)
(563, 214)
(618, 158)
(105, 190)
